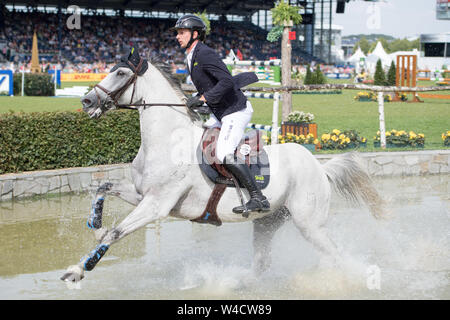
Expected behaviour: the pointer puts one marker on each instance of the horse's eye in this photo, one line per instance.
(120, 73)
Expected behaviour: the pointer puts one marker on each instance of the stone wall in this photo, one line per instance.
(85, 179)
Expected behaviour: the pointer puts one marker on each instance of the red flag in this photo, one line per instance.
(239, 54)
(292, 35)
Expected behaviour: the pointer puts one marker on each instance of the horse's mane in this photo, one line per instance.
(165, 69)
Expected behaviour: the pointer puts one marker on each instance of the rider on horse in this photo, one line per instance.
(231, 111)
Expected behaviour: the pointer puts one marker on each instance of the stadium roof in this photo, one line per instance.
(228, 7)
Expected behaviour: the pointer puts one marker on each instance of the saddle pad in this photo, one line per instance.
(257, 159)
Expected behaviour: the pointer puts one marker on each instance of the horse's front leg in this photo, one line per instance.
(124, 190)
(155, 205)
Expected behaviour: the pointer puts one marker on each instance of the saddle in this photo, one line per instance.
(249, 151)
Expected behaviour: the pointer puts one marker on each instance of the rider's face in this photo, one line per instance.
(183, 37)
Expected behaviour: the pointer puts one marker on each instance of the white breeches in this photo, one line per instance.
(232, 130)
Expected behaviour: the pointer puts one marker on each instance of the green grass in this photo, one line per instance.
(341, 111)
(333, 111)
(38, 104)
(69, 84)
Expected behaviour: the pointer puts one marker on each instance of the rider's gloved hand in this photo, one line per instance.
(194, 103)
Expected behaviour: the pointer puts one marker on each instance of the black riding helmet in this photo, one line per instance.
(193, 23)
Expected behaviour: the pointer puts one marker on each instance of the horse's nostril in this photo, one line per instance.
(86, 102)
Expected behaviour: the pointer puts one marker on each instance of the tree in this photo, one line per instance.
(391, 75)
(363, 44)
(379, 77)
(286, 16)
(318, 77)
(203, 15)
(308, 76)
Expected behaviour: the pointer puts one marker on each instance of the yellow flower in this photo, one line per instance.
(347, 140)
(388, 134)
(336, 131)
(316, 141)
(363, 139)
(334, 138)
(342, 136)
(421, 135)
(302, 136)
(326, 136)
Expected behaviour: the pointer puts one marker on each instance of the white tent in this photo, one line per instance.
(356, 57)
(358, 60)
(378, 54)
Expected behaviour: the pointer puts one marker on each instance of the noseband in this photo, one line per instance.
(116, 94)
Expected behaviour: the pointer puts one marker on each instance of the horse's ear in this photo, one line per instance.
(133, 56)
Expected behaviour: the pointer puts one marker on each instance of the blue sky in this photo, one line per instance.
(398, 18)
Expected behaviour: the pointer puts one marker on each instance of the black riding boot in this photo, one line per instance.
(258, 202)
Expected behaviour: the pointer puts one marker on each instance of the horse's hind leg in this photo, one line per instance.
(316, 233)
(263, 231)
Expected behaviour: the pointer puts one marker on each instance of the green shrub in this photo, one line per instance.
(315, 77)
(379, 77)
(391, 75)
(43, 141)
(318, 77)
(308, 76)
(36, 84)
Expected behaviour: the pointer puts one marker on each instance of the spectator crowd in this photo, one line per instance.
(100, 41)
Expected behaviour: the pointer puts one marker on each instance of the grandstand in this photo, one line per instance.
(107, 26)
(111, 25)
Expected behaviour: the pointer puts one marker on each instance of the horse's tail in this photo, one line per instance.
(350, 180)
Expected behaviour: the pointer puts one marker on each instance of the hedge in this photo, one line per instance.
(43, 141)
(36, 84)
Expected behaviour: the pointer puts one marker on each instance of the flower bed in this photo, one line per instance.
(299, 123)
(446, 138)
(370, 96)
(401, 138)
(308, 141)
(342, 140)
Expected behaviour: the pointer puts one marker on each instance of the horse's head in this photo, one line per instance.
(118, 87)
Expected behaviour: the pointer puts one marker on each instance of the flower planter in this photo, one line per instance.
(310, 147)
(353, 145)
(364, 99)
(299, 128)
(391, 145)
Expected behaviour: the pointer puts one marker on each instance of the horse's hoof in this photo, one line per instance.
(73, 274)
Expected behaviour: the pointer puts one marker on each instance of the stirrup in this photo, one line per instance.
(254, 205)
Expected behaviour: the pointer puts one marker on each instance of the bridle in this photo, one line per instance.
(115, 95)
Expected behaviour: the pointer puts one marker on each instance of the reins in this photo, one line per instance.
(116, 94)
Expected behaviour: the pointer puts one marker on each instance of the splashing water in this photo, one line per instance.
(406, 256)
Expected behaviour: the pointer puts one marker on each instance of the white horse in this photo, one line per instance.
(167, 180)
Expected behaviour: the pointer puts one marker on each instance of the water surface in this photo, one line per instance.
(404, 257)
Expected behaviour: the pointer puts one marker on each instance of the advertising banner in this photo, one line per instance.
(83, 76)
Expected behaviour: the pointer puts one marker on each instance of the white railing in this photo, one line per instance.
(379, 89)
